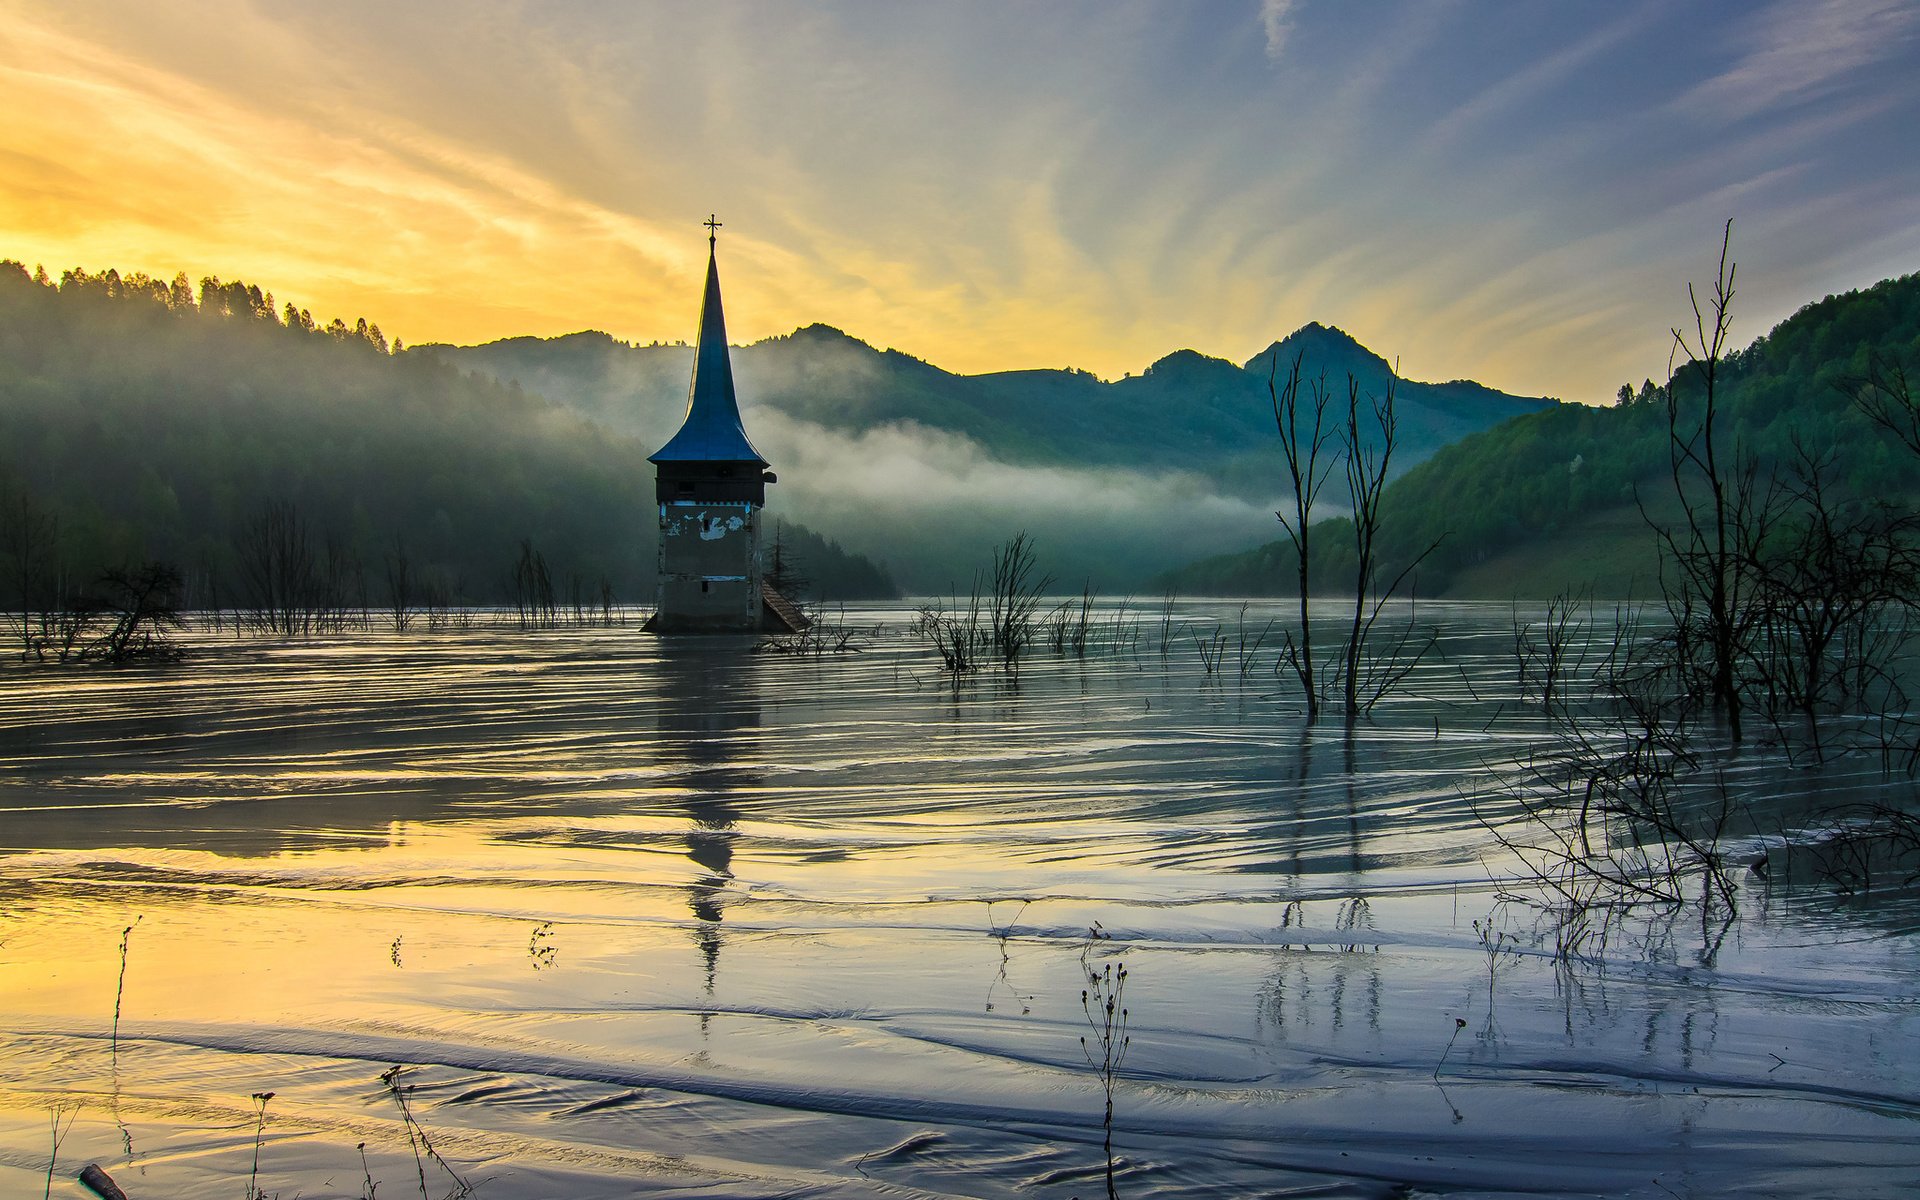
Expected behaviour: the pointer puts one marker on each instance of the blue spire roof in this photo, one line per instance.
(712, 431)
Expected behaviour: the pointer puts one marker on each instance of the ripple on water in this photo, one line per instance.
(654, 918)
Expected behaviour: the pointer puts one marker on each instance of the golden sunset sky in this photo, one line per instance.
(1517, 193)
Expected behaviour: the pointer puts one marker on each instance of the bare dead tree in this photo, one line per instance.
(29, 537)
(1304, 434)
(1716, 487)
(340, 596)
(1826, 584)
(277, 569)
(1368, 461)
(143, 605)
(533, 599)
(402, 588)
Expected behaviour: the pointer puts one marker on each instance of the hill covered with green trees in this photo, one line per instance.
(153, 420)
(928, 470)
(1187, 411)
(158, 419)
(1554, 499)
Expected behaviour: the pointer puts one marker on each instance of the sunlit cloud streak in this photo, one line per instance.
(1516, 194)
(1798, 50)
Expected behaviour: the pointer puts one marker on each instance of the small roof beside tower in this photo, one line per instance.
(712, 431)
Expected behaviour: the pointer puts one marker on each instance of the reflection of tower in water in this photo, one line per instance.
(709, 710)
(710, 845)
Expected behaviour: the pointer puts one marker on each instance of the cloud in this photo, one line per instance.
(987, 186)
(1276, 21)
(1801, 51)
(153, 170)
(1525, 85)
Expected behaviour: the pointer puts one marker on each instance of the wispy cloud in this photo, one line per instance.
(373, 214)
(1276, 21)
(1530, 80)
(1494, 193)
(1801, 50)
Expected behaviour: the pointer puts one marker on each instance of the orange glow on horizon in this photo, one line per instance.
(119, 163)
(390, 173)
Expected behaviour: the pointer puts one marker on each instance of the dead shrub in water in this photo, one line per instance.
(1103, 1002)
(1013, 598)
(60, 1130)
(120, 989)
(1168, 629)
(819, 638)
(1856, 850)
(1065, 628)
(1213, 650)
(129, 615)
(955, 634)
(259, 1133)
(1552, 653)
(1618, 811)
(1627, 810)
(417, 1139)
(1002, 623)
(142, 608)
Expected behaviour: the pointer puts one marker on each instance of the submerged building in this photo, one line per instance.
(711, 485)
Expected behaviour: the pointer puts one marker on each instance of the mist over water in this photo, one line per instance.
(653, 917)
(1118, 487)
(950, 502)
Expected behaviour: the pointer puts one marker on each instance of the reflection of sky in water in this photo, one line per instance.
(821, 924)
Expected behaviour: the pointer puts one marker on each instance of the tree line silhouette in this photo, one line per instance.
(147, 421)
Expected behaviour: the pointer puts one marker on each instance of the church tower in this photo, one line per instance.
(711, 485)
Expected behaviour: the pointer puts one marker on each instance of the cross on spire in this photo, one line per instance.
(713, 225)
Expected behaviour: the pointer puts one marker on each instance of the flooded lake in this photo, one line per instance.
(673, 918)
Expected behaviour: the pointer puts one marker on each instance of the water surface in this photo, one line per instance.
(674, 918)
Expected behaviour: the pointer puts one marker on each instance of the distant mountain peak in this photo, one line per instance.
(1319, 345)
(1187, 361)
(821, 331)
(1332, 335)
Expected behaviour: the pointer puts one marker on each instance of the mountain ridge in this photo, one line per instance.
(1187, 409)
(1555, 499)
(182, 415)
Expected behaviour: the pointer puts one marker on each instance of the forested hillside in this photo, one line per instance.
(926, 470)
(1553, 499)
(1186, 411)
(159, 420)
(155, 420)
